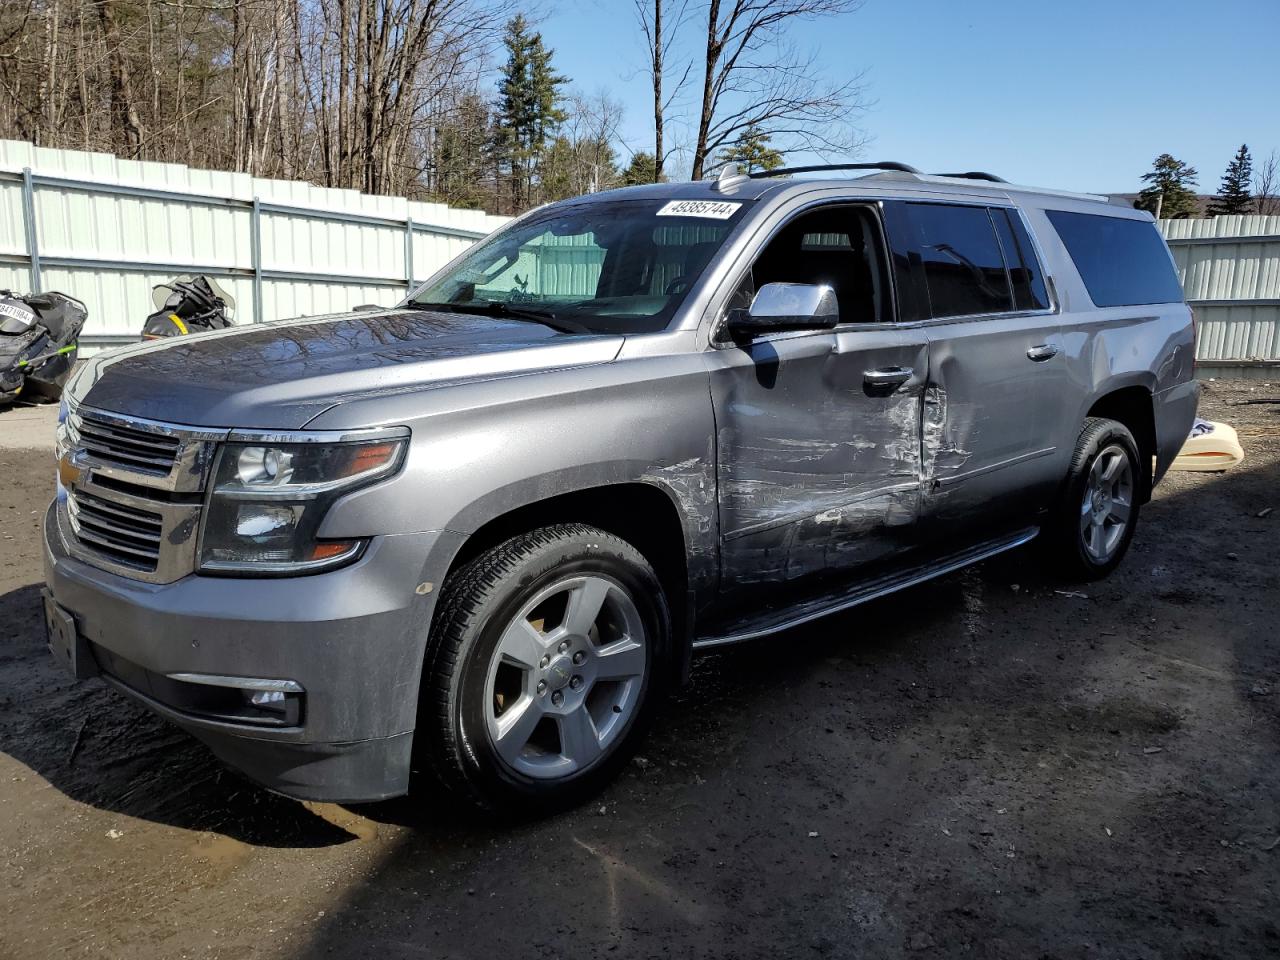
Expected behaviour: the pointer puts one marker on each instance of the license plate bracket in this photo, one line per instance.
(66, 643)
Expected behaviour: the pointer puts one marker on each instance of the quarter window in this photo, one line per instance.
(964, 268)
(1122, 262)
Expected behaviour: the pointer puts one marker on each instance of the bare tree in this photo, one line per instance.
(660, 31)
(754, 77)
(344, 93)
(591, 131)
(123, 104)
(1266, 185)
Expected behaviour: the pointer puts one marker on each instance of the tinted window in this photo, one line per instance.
(963, 266)
(1122, 262)
(1024, 270)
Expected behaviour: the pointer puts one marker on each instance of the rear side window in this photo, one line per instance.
(1024, 269)
(1122, 262)
(963, 264)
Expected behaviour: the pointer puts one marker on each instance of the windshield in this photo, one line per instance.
(621, 266)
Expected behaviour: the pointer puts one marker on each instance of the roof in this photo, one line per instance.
(886, 183)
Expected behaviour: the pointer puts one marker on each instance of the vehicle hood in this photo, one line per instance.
(281, 375)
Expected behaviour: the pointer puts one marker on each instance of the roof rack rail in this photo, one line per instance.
(972, 175)
(822, 167)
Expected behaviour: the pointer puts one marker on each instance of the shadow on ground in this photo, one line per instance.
(99, 748)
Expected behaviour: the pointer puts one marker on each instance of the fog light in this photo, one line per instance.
(282, 707)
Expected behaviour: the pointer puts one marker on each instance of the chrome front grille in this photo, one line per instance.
(126, 447)
(130, 493)
(122, 533)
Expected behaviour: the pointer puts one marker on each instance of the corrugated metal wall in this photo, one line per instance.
(106, 230)
(1230, 270)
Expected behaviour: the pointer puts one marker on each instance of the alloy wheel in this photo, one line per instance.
(566, 677)
(1107, 504)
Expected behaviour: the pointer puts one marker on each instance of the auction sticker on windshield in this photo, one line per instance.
(711, 209)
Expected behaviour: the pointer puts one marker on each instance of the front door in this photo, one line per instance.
(819, 432)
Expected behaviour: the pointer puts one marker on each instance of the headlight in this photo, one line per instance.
(269, 499)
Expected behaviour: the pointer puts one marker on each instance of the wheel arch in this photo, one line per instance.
(647, 514)
(1133, 405)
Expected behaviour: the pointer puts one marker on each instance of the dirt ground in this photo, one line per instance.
(995, 764)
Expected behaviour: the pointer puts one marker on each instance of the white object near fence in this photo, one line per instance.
(107, 230)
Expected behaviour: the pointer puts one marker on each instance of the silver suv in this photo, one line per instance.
(479, 534)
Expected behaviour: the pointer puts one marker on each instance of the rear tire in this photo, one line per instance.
(544, 667)
(1095, 520)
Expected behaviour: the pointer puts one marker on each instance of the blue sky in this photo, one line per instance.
(1076, 94)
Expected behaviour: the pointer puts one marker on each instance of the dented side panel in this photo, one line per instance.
(992, 444)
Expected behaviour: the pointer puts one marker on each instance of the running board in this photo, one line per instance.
(824, 605)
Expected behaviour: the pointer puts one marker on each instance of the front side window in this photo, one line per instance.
(1122, 262)
(621, 266)
(836, 246)
(964, 268)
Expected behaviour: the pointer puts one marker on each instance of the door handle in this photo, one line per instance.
(1043, 352)
(883, 382)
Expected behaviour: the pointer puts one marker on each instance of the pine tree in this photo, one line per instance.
(459, 163)
(643, 168)
(751, 151)
(1233, 195)
(528, 108)
(1170, 191)
(571, 169)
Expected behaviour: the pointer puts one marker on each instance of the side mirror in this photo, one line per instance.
(787, 306)
(367, 308)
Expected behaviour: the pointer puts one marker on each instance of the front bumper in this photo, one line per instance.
(352, 639)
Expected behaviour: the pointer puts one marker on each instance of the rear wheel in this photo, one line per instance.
(543, 668)
(1096, 519)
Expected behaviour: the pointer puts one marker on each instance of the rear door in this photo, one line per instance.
(818, 463)
(996, 373)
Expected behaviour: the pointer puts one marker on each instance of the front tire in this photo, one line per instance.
(543, 669)
(1098, 514)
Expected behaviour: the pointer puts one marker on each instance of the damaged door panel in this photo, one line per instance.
(988, 424)
(995, 374)
(817, 474)
(819, 433)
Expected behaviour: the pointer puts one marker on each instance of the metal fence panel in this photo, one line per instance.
(106, 230)
(1230, 271)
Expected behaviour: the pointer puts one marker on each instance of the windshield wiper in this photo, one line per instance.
(500, 308)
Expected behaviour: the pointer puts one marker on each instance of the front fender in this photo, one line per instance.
(479, 451)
